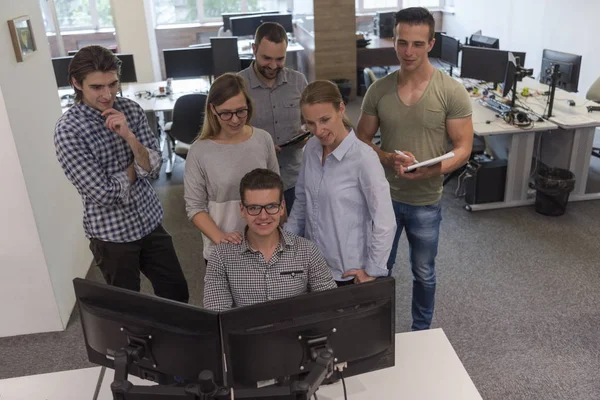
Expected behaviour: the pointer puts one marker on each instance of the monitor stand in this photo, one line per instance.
(122, 389)
(554, 81)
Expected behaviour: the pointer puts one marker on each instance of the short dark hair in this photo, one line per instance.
(416, 16)
(272, 31)
(261, 179)
(91, 59)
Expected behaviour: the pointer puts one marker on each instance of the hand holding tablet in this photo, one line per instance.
(429, 162)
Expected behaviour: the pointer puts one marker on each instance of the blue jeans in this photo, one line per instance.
(422, 224)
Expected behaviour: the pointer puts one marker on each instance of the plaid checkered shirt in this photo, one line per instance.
(95, 160)
(238, 276)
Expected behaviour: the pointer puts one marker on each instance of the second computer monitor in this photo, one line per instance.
(569, 67)
(436, 51)
(127, 68)
(61, 71)
(191, 62)
(449, 50)
(246, 26)
(227, 16)
(487, 65)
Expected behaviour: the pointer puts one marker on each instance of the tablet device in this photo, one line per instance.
(296, 139)
(429, 162)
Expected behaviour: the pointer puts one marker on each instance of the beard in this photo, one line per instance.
(267, 72)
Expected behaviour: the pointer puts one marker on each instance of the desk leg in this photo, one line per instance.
(170, 155)
(520, 153)
(581, 154)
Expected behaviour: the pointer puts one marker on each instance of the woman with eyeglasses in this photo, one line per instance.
(225, 151)
(343, 201)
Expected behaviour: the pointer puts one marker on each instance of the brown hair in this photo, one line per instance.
(261, 179)
(91, 59)
(416, 16)
(319, 92)
(272, 31)
(222, 89)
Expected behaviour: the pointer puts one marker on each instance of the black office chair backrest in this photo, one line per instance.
(188, 116)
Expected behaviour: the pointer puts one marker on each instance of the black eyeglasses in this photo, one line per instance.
(227, 115)
(255, 209)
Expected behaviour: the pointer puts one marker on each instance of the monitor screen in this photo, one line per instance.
(179, 340)
(271, 344)
(569, 67)
(478, 40)
(191, 62)
(127, 68)
(225, 55)
(227, 16)
(509, 76)
(247, 26)
(484, 64)
(436, 51)
(61, 71)
(449, 50)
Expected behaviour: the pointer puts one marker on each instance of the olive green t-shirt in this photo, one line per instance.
(420, 128)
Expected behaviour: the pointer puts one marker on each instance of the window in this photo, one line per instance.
(193, 11)
(389, 5)
(78, 14)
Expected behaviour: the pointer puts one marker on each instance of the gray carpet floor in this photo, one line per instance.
(517, 297)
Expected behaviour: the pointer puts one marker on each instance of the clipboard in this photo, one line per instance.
(429, 162)
(296, 139)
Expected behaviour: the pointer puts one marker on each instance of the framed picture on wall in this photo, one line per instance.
(22, 37)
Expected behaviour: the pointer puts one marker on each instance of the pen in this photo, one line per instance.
(404, 155)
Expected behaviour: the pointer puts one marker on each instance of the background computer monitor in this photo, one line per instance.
(569, 68)
(485, 64)
(127, 68)
(191, 62)
(478, 40)
(225, 55)
(61, 71)
(227, 16)
(436, 51)
(450, 49)
(272, 340)
(384, 23)
(509, 76)
(179, 340)
(247, 26)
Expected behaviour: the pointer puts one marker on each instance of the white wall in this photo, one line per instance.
(42, 247)
(533, 25)
(134, 24)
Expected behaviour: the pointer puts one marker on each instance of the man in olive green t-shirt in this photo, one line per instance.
(417, 109)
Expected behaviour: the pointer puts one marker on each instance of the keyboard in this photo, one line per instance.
(496, 105)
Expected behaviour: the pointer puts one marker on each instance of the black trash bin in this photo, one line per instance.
(553, 186)
(345, 87)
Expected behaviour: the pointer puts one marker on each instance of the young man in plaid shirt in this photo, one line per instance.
(270, 263)
(109, 153)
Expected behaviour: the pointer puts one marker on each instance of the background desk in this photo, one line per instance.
(513, 144)
(378, 53)
(570, 147)
(427, 368)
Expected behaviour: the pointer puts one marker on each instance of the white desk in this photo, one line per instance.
(571, 146)
(427, 368)
(79, 384)
(514, 143)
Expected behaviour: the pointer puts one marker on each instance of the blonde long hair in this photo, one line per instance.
(322, 92)
(222, 89)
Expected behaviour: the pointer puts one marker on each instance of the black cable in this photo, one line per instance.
(344, 385)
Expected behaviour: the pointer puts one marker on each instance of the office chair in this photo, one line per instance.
(593, 94)
(188, 116)
(477, 149)
(369, 77)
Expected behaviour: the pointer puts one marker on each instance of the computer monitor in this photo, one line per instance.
(484, 64)
(436, 51)
(227, 16)
(153, 338)
(509, 76)
(247, 26)
(569, 68)
(273, 346)
(384, 23)
(61, 71)
(449, 50)
(478, 40)
(225, 55)
(127, 68)
(191, 62)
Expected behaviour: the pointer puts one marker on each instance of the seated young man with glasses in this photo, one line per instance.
(269, 263)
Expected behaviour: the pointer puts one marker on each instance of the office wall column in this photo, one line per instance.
(42, 244)
(134, 24)
(335, 40)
